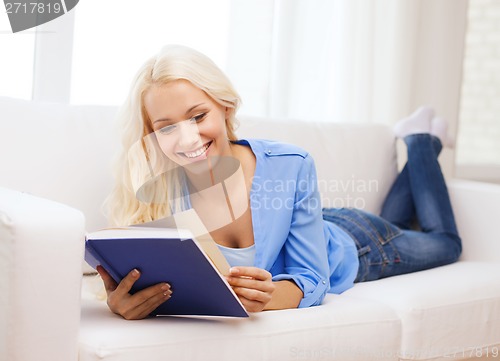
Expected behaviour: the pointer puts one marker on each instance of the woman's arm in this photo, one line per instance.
(286, 295)
(257, 291)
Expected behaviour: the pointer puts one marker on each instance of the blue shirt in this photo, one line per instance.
(292, 241)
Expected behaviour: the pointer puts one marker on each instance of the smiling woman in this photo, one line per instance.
(285, 250)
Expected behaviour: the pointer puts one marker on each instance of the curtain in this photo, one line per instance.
(346, 60)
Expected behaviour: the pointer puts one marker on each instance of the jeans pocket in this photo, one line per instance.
(379, 228)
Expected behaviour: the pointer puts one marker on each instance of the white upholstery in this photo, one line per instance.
(59, 152)
(355, 328)
(64, 153)
(476, 207)
(456, 305)
(41, 254)
(363, 181)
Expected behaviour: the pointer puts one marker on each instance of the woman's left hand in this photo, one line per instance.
(253, 286)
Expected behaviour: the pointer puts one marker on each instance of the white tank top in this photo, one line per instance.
(239, 256)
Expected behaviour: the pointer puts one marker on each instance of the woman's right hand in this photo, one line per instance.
(136, 306)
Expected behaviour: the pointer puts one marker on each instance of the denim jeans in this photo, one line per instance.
(386, 244)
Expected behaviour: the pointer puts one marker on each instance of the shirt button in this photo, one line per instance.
(268, 152)
(324, 282)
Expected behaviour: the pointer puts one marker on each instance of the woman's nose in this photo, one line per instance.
(189, 134)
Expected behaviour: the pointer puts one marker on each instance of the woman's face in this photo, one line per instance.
(188, 124)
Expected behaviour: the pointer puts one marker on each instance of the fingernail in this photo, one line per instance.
(135, 272)
(233, 270)
(165, 287)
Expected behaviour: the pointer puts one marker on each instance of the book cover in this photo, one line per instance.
(166, 255)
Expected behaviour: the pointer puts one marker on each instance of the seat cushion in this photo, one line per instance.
(342, 328)
(447, 311)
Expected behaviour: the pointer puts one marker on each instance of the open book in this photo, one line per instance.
(193, 266)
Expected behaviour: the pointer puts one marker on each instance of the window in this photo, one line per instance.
(111, 44)
(478, 144)
(16, 62)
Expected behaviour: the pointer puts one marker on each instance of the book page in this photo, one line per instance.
(190, 220)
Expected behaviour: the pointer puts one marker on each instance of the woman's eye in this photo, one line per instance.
(198, 118)
(167, 130)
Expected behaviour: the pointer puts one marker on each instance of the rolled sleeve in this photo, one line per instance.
(313, 292)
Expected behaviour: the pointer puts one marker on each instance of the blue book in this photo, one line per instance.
(165, 255)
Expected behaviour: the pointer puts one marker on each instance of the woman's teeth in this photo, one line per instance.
(198, 152)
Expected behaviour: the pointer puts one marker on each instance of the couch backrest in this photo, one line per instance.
(356, 163)
(59, 152)
(65, 153)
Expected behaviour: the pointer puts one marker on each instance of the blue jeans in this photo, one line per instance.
(386, 244)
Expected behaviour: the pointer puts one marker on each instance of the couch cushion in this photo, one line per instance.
(342, 328)
(356, 163)
(446, 311)
(60, 152)
(476, 207)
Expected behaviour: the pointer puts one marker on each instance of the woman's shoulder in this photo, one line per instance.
(272, 148)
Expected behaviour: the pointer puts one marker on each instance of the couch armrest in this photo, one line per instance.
(41, 252)
(477, 212)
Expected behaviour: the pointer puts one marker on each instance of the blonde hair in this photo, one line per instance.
(173, 62)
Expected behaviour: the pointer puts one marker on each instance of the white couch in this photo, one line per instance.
(56, 171)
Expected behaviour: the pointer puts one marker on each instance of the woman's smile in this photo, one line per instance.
(197, 154)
